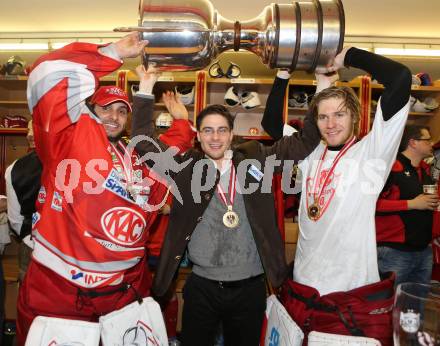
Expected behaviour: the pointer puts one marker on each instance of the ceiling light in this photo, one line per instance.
(407, 52)
(58, 45)
(23, 46)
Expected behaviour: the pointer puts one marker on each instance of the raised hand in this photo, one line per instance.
(336, 64)
(130, 46)
(174, 105)
(324, 81)
(147, 78)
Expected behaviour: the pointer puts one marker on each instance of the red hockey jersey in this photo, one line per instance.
(89, 226)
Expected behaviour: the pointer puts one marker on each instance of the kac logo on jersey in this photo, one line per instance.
(57, 201)
(123, 225)
(42, 195)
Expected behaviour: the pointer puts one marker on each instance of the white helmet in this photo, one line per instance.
(430, 103)
(164, 120)
(232, 97)
(250, 100)
(416, 80)
(298, 99)
(186, 93)
(418, 106)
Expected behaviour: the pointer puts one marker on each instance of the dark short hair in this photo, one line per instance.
(350, 99)
(215, 109)
(411, 132)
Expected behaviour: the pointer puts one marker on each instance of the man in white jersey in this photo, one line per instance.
(341, 181)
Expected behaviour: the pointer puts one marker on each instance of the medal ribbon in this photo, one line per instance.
(341, 153)
(127, 166)
(128, 173)
(232, 190)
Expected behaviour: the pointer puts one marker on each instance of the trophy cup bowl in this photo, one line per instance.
(189, 35)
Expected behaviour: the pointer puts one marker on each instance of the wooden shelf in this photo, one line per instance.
(160, 104)
(23, 78)
(422, 114)
(18, 131)
(414, 114)
(258, 138)
(311, 82)
(292, 81)
(13, 103)
(299, 110)
(425, 88)
(240, 80)
(166, 79)
(239, 109)
(413, 87)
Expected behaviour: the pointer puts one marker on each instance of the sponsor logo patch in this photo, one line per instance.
(42, 195)
(90, 279)
(57, 201)
(35, 218)
(137, 175)
(76, 275)
(255, 172)
(113, 184)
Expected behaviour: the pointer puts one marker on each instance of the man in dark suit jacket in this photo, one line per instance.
(224, 215)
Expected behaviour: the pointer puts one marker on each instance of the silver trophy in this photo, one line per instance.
(187, 35)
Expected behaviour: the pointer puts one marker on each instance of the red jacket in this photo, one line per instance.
(396, 225)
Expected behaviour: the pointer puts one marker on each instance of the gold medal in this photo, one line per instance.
(314, 212)
(230, 218)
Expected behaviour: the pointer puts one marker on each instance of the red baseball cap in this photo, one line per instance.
(106, 95)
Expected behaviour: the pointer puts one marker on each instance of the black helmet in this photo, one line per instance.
(15, 65)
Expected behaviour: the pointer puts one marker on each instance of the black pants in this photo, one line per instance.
(239, 306)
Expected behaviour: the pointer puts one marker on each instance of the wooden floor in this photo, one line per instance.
(10, 267)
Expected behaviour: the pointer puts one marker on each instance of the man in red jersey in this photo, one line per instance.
(91, 224)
